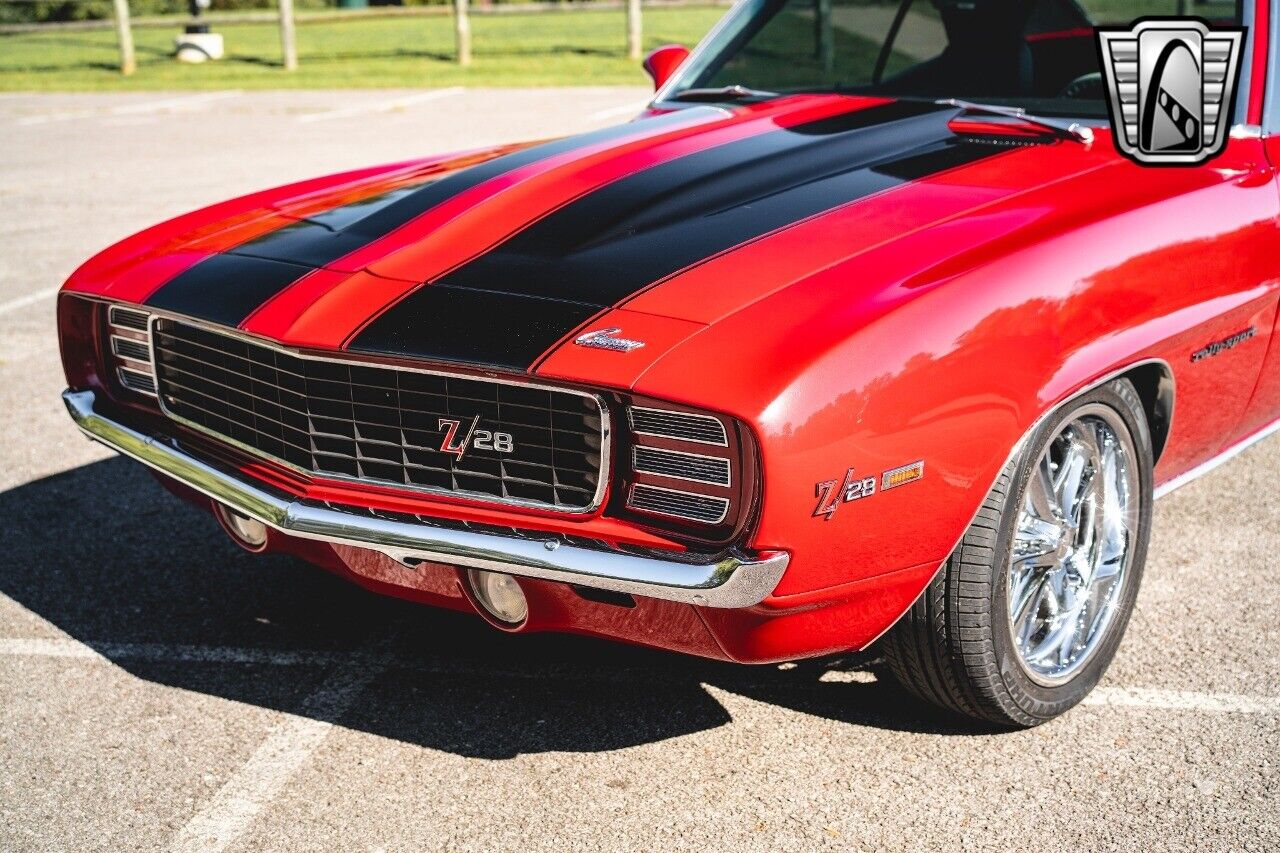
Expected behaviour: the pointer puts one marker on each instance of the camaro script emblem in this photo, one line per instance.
(604, 339)
(1171, 88)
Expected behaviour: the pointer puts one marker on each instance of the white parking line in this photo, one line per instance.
(381, 106)
(181, 104)
(287, 749)
(1182, 700)
(1145, 698)
(30, 299)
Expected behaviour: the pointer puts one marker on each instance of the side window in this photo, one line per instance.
(920, 37)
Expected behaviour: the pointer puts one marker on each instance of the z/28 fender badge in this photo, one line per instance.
(855, 488)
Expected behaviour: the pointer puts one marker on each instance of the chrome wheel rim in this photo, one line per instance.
(1073, 544)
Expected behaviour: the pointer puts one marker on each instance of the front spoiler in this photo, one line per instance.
(728, 582)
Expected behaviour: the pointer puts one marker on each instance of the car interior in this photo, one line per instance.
(1038, 54)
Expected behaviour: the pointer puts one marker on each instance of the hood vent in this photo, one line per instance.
(1007, 141)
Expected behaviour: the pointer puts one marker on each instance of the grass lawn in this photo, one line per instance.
(561, 48)
(569, 48)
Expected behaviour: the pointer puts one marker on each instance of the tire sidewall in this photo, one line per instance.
(1038, 701)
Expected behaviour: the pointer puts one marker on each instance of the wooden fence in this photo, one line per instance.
(287, 21)
(460, 10)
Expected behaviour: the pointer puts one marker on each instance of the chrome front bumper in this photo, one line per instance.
(732, 581)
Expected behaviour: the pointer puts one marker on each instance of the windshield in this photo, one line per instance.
(1040, 55)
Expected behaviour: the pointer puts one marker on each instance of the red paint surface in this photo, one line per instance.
(176, 244)
(467, 225)
(935, 321)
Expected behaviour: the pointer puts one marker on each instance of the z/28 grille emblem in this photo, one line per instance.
(480, 439)
(855, 488)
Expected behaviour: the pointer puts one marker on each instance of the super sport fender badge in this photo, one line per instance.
(832, 493)
(1229, 342)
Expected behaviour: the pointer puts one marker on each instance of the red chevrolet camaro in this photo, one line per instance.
(829, 347)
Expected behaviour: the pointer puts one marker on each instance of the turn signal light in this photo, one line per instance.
(248, 533)
(500, 596)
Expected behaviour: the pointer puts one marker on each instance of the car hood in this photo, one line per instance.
(497, 258)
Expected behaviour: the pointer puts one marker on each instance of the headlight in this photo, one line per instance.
(685, 470)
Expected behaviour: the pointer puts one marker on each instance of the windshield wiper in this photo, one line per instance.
(1063, 129)
(723, 93)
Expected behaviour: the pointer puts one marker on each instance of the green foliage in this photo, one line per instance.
(562, 49)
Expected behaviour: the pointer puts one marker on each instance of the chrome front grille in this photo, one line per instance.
(506, 442)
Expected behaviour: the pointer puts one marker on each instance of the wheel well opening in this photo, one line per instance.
(1154, 384)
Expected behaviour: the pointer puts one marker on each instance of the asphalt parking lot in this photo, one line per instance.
(161, 689)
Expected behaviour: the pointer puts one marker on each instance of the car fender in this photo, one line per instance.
(947, 346)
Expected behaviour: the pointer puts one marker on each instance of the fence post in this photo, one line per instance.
(128, 63)
(825, 36)
(288, 36)
(462, 31)
(633, 29)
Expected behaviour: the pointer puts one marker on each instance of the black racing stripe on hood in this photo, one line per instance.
(608, 246)
(225, 288)
(480, 327)
(324, 237)
(266, 265)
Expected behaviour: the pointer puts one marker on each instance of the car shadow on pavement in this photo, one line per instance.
(108, 557)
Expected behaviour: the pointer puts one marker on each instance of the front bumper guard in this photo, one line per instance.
(731, 581)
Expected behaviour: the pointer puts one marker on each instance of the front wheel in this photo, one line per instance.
(1027, 613)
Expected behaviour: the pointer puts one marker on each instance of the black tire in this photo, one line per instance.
(954, 646)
